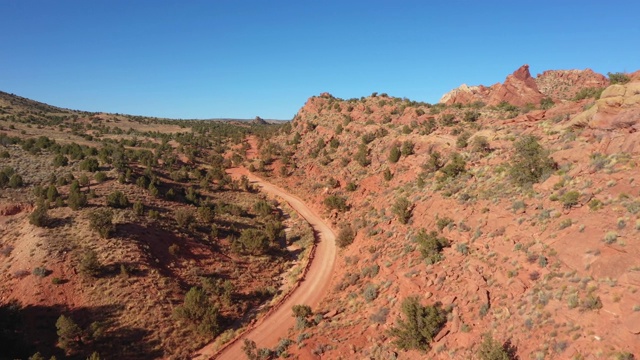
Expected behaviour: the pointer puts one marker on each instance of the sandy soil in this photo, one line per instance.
(268, 331)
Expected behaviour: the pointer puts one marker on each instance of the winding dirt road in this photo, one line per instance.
(311, 290)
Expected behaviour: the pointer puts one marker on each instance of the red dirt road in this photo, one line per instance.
(311, 290)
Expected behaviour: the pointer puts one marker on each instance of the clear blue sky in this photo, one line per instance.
(241, 59)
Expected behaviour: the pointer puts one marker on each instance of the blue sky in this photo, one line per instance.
(241, 59)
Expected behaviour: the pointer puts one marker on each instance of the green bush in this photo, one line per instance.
(302, 311)
(199, 312)
(588, 93)
(90, 164)
(184, 217)
(480, 144)
(387, 175)
(570, 199)
(100, 176)
(362, 156)
(394, 154)
(419, 326)
(407, 148)
(101, 220)
(454, 167)
(336, 202)
(138, 208)
(402, 209)
(76, 199)
(118, 200)
(463, 140)
(39, 216)
(60, 160)
(531, 162)
(251, 241)
(52, 193)
(493, 350)
(546, 103)
(618, 78)
(431, 245)
(471, 116)
(69, 333)
(89, 263)
(345, 237)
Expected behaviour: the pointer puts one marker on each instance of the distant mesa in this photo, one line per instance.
(520, 88)
(259, 121)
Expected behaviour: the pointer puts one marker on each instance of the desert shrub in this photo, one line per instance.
(380, 316)
(302, 311)
(138, 208)
(101, 220)
(100, 176)
(184, 217)
(591, 302)
(351, 186)
(262, 208)
(15, 181)
(435, 162)
(90, 164)
(546, 103)
(570, 199)
(454, 167)
(370, 292)
(251, 241)
(407, 148)
(447, 119)
(618, 78)
(471, 116)
(610, 237)
(60, 160)
(118, 200)
(394, 154)
(69, 333)
(595, 205)
(480, 144)
(588, 93)
(89, 263)
(199, 312)
(83, 180)
(76, 199)
(431, 245)
(206, 213)
(345, 237)
(419, 326)
(39, 216)
(402, 209)
(443, 222)
(387, 175)
(493, 350)
(530, 162)
(52, 193)
(463, 140)
(362, 156)
(336, 202)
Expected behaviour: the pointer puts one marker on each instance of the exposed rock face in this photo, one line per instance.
(617, 108)
(520, 88)
(564, 84)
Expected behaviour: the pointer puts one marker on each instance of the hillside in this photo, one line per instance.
(123, 235)
(513, 210)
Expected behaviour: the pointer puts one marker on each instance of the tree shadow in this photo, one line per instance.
(32, 328)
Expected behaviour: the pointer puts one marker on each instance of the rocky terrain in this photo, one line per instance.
(519, 215)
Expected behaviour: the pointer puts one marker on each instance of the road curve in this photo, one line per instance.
(311, 290)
